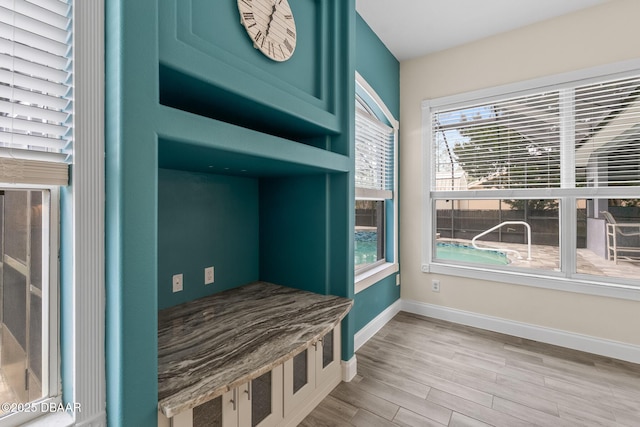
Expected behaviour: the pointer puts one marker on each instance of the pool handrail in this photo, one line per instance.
(473, 241)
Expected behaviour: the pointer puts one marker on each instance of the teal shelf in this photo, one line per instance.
(194, 143)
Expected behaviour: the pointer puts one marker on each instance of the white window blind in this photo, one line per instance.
(571, 137)
(374, 157)
(35, 91)
(608, 133)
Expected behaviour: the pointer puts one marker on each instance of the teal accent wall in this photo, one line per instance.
(205, 220)
(131, 212)
(381, 70)
(294, 213)
(374, 300)
(378, 66)
(187, 99)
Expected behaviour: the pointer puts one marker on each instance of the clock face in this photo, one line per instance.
(271, 26)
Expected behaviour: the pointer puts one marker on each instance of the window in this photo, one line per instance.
(375, 208)
(531, 179)
(35, 150)
(374, 185)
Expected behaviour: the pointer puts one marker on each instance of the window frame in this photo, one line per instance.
(50, 313)
(371, 274)
(565, 280)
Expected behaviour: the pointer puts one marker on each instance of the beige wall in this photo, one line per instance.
(595, 36)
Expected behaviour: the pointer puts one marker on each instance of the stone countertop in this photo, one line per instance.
(211, 345)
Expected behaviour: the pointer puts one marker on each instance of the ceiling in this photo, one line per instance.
(413, 28)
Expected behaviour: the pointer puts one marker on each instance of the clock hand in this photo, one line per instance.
(273, 11)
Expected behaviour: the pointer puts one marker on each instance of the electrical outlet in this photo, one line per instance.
(398, 280)
(177, 282)
(435, 285)
(208, 275)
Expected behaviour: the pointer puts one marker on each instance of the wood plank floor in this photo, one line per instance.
(418, 371)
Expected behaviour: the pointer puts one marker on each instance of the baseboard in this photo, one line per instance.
(98, 420)
(586, 343)
(371, 328)
(349, 369)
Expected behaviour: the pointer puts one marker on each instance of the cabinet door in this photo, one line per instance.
(261, 400)
(230, 408)
(328, 357)
(299, 379)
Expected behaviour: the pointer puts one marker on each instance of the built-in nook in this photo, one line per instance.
(254, 178)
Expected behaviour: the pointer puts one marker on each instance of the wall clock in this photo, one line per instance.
(271, 26)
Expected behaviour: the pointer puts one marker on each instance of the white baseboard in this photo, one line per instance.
(349, 369)
(589, 344)
(371, 328)
(98, 420)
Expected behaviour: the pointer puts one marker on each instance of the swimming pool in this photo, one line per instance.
(464, 253)
(366, 246)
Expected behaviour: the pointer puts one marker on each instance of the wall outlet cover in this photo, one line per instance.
(209, 275)
(177, 282)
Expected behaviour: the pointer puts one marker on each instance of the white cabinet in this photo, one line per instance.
(257, 403)
(280, 397)
(310, 376)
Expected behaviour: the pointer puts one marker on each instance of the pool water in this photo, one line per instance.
(464, 253)
(366, 247)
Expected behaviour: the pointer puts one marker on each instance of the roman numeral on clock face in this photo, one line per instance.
(288, 45)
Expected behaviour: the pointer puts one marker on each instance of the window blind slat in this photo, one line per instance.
(42, 14)
(31, 97)
(14, 109)
(18, 80)
(32, 68)
(33, 24)
(29, 126)
(60, 7)
(28, 38)
(31, 54)
(17, 140)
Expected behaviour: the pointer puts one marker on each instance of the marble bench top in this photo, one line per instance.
(211, 345)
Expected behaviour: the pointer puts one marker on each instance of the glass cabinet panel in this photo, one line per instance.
(260, 399)
(327, 349)
(209, 414)
(300, 368)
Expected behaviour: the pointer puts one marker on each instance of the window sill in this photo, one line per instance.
(581, 284)
(55, 419)
(373, 276)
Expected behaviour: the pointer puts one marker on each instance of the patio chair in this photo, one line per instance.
(623, 239)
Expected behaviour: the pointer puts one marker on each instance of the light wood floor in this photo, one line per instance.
(423, 372)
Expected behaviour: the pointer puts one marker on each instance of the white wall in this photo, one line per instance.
(595, 36)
